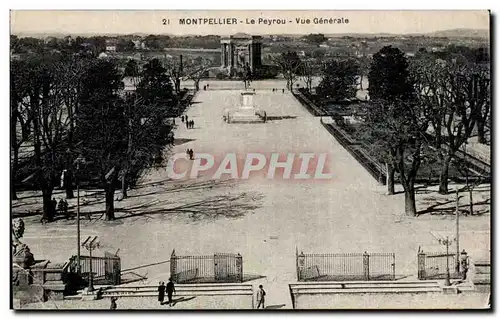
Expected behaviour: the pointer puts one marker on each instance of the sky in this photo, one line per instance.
(167, 22)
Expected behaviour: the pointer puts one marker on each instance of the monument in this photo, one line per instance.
(247, 112)
(240, 50)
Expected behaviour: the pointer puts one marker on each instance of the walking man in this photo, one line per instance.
(113, 304)
(170, 291)
(261, 299)
(161, 292)
(182, 118)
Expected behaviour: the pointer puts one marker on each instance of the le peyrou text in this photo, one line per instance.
(258, 21)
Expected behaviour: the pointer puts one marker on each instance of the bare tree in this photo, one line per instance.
(289, 64)
(308, 71)
(454, 94)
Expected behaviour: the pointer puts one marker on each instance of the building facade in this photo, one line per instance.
(240, 50)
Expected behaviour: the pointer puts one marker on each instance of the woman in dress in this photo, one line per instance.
(161, 292)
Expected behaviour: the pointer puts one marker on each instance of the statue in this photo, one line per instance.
(22, 253)
(17, 231)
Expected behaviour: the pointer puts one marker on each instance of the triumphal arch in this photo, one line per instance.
(240, 50)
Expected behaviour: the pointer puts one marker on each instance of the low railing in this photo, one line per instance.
(345, 266)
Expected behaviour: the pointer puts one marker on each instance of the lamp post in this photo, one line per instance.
(447, 242)
(91, 244)
(78, 161)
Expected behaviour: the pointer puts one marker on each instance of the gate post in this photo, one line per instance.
(300, 265)
(239, 268)
(421, 265)
(366, 265)
(173, 266)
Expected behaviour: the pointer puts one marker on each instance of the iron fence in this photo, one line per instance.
(345, 266)
(434, 266)
(219, 267)
(106, 270)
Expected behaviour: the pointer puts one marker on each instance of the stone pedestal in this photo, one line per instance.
(246, 113)
(50, 277)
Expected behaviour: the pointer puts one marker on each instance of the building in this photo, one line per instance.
(240, 50)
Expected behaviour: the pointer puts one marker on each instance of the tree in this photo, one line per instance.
(152, 42)
(125, 45)
(289, 63)
(131, 68)
(45, 103)
(339, 79)
(389, 83)
(315, 39)
(102, 128)
(155, 86)
(455, 93)
(19, 116)
(394, 131)
(175, 70)
(308, 71)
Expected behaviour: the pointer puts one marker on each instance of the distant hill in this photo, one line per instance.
(461, 33)
(453, 33)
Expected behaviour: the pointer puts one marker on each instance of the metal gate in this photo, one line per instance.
(219, 267)
(106, 270)
(112, 271)
(345, 266)
(228, 267)
(435, 265)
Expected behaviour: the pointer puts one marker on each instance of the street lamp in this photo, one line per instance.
(91, 244)
(447, 242)
(78, 161)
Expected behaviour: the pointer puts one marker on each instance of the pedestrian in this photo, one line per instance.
(187, 124)
(62, 206)
(191, 154)
(182, 119)
(113, 304)
(187, 152)
(208, 85)
(283, 90)
(465, 267)
(170, 291)
(192, 123)
(261, 299)
(161, 292)
(204, 88)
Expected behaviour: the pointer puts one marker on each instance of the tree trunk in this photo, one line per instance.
(410, 205)
(471, 202)
(443, 176)
(68, 184)
(390, 179)
(110, 201)
(480, 132)
(13, 192)
(48, 209)
(124, 185)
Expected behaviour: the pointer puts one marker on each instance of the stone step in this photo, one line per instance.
(179, 286)
(370, 283)
(366, 290)
(183, 293)
(347, 287)
(126, 290)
